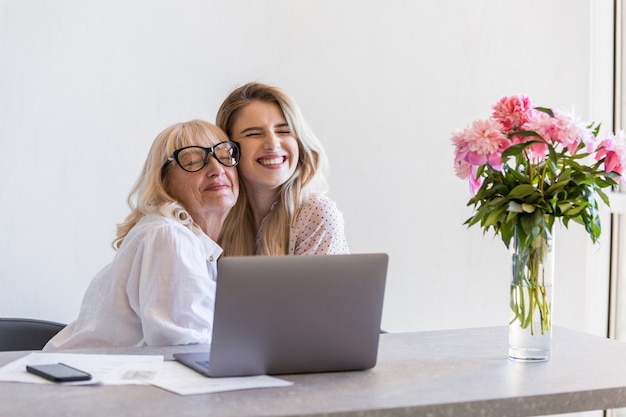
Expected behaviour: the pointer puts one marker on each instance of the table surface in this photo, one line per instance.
(440, 373)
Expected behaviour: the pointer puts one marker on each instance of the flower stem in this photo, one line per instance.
(531, 284)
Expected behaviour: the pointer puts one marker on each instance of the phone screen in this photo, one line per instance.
(58, 372)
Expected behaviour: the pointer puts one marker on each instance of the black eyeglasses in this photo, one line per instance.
(194, 158)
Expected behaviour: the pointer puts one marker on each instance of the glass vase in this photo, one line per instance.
(530, 319)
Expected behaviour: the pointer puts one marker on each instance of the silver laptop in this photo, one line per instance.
(294, 314)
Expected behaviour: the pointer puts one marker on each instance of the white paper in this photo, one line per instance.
(134, 370)
(181, 380)
(105, 369)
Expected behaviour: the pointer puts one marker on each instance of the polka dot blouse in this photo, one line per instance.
(319, 229)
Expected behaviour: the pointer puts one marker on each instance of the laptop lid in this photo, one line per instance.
(297, 314)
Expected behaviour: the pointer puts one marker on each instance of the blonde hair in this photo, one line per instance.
(150, 193)
(238, 235)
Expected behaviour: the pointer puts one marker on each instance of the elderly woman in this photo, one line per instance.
(160, 287)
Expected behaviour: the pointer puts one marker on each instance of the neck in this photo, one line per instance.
(211, 224)
(261, 204)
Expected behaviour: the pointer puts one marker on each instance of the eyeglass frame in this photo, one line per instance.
(209, 151)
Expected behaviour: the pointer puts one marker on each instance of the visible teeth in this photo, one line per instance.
(271, 161)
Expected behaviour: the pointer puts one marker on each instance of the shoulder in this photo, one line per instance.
(152, 229)
(319, 202)
(163, 235)
(318, 208)
(150, 224)
(318, 229)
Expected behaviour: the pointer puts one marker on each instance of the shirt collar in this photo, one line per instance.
(212, 250)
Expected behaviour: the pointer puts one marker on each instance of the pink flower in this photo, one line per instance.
(481, 143)
(570, 131)
(475, 182)
(465, 170)
(613, 150)
(513, 111)
(542, 124)
(564, 129)
(462, 169)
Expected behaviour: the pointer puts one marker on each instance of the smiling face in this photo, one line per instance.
(269, 150)
(207, 193)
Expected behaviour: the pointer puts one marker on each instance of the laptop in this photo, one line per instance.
(294, 314)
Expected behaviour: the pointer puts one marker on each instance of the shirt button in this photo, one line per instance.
(211, 258)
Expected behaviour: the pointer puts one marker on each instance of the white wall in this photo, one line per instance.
(85, 86)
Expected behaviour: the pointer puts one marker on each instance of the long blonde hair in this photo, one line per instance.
(238, 235)
(149, 195)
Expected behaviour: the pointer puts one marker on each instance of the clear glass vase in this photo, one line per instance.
(530, 319)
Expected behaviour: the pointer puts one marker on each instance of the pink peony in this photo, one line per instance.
(462, 169)
(475, 182)
(543, 125)
(481, 143)
(569, 131)
(513, 111)
(467, 171)
(613, 150)
(564, 129)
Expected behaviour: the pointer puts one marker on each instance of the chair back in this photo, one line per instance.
(26, 334)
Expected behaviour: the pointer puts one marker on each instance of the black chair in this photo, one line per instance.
(26, 334)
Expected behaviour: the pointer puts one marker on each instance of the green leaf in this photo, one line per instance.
(494, 217)
(519, 148)
(545, 110)
(556, 187)
(574, 211)
(521, 191)
(603, 196)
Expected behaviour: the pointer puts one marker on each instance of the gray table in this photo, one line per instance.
(443, 373)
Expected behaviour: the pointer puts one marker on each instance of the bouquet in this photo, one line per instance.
(526, 159)
(526, 167)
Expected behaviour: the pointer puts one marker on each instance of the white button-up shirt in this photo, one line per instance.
(158, 290)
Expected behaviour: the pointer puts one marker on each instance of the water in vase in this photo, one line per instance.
(528, 341)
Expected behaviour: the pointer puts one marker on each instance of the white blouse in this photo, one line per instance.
(158, 290)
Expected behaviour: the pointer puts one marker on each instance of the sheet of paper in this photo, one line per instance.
(181, 380)
(134, 370)
(105, 369)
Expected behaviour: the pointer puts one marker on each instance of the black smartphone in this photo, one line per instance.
(58, 372)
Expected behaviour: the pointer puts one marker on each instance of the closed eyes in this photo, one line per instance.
(249, 133)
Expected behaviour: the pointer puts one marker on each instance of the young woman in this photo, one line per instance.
(282, 209)
(160, 287)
